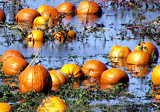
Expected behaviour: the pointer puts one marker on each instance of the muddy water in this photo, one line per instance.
(98, 44)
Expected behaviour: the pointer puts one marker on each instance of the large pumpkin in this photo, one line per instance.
(35, 35)
(67, 7)
(72, 69)
(119, 52)
(26, 16)
(89, 7)
(52, 13)
(41, 8)
(2, 16)
(150, 48)
(58, 77)
(52, 104)
(156, 75)
(14, 65)
(114, 76)
(93, 68)
(11, 53)
(35, 78)
(139, 57)
(4, 107)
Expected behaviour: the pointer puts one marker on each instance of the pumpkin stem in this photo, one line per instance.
(34, 58)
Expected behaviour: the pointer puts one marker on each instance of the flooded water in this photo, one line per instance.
(96, 46)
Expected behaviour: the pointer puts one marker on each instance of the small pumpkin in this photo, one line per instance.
(150, 48)
(58, 77)
(14, 65)
(25, 17)
(89, 7)
(119, 52)
(34, 44)
(60, 36)
(72, 69)
(139, 57)
(11, 53)
(2, 16)
(71, 35)
(35, 78)
(91, 83)
(4, 107)
(118, 62)
(42, 22)
(138, 70)
(35, 35)
(114, 76)
(93, 68)
(41, 8)
(67, 8)
(52, 104)
(156, 75)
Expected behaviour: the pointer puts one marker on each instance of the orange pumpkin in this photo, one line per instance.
(93, 68)
(4, 107)
(150, 48)
(139, 57)
(35, 78)
(114, 76)
(60, 36)
(42, 22)
(52, 13)
(156, 75)
(35, 35)
(25, 17)
(89, 7)
(91, 83)
(71, 35)
(119, 52)
(138, 70)
(67, 7)
(14, 65)
(52, 104)
(41, 8)
(118, 62)
(11, 53)
(2, 16)
(34, 44)
(72, 69)
(58, 78)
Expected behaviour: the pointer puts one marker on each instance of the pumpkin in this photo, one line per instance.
(2, 16)
(58, 78)
(35, 78)
(52, 13)
(14, 65)
(34, 44)
(41, 8)
(4, 107)
(25, 17)
(71, 35)
(118, 62)
(35, 35)
(89, 7)
(72, 69)
(11, 53)
(67, 8)
(114, 76)
(150, 48)
(139, 57)
(60, 36)
(119, 52)
(42, 22)
(93, 68)
(52, 104)
(156, 75)
(91, 83)
(138, 70)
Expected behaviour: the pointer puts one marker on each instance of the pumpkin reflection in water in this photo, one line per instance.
(107, 87)
(34, 44)
(118, 62)
(138, 70)
(92, 83)
(156, 93)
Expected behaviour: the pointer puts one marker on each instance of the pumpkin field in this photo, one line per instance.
(79, 56)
